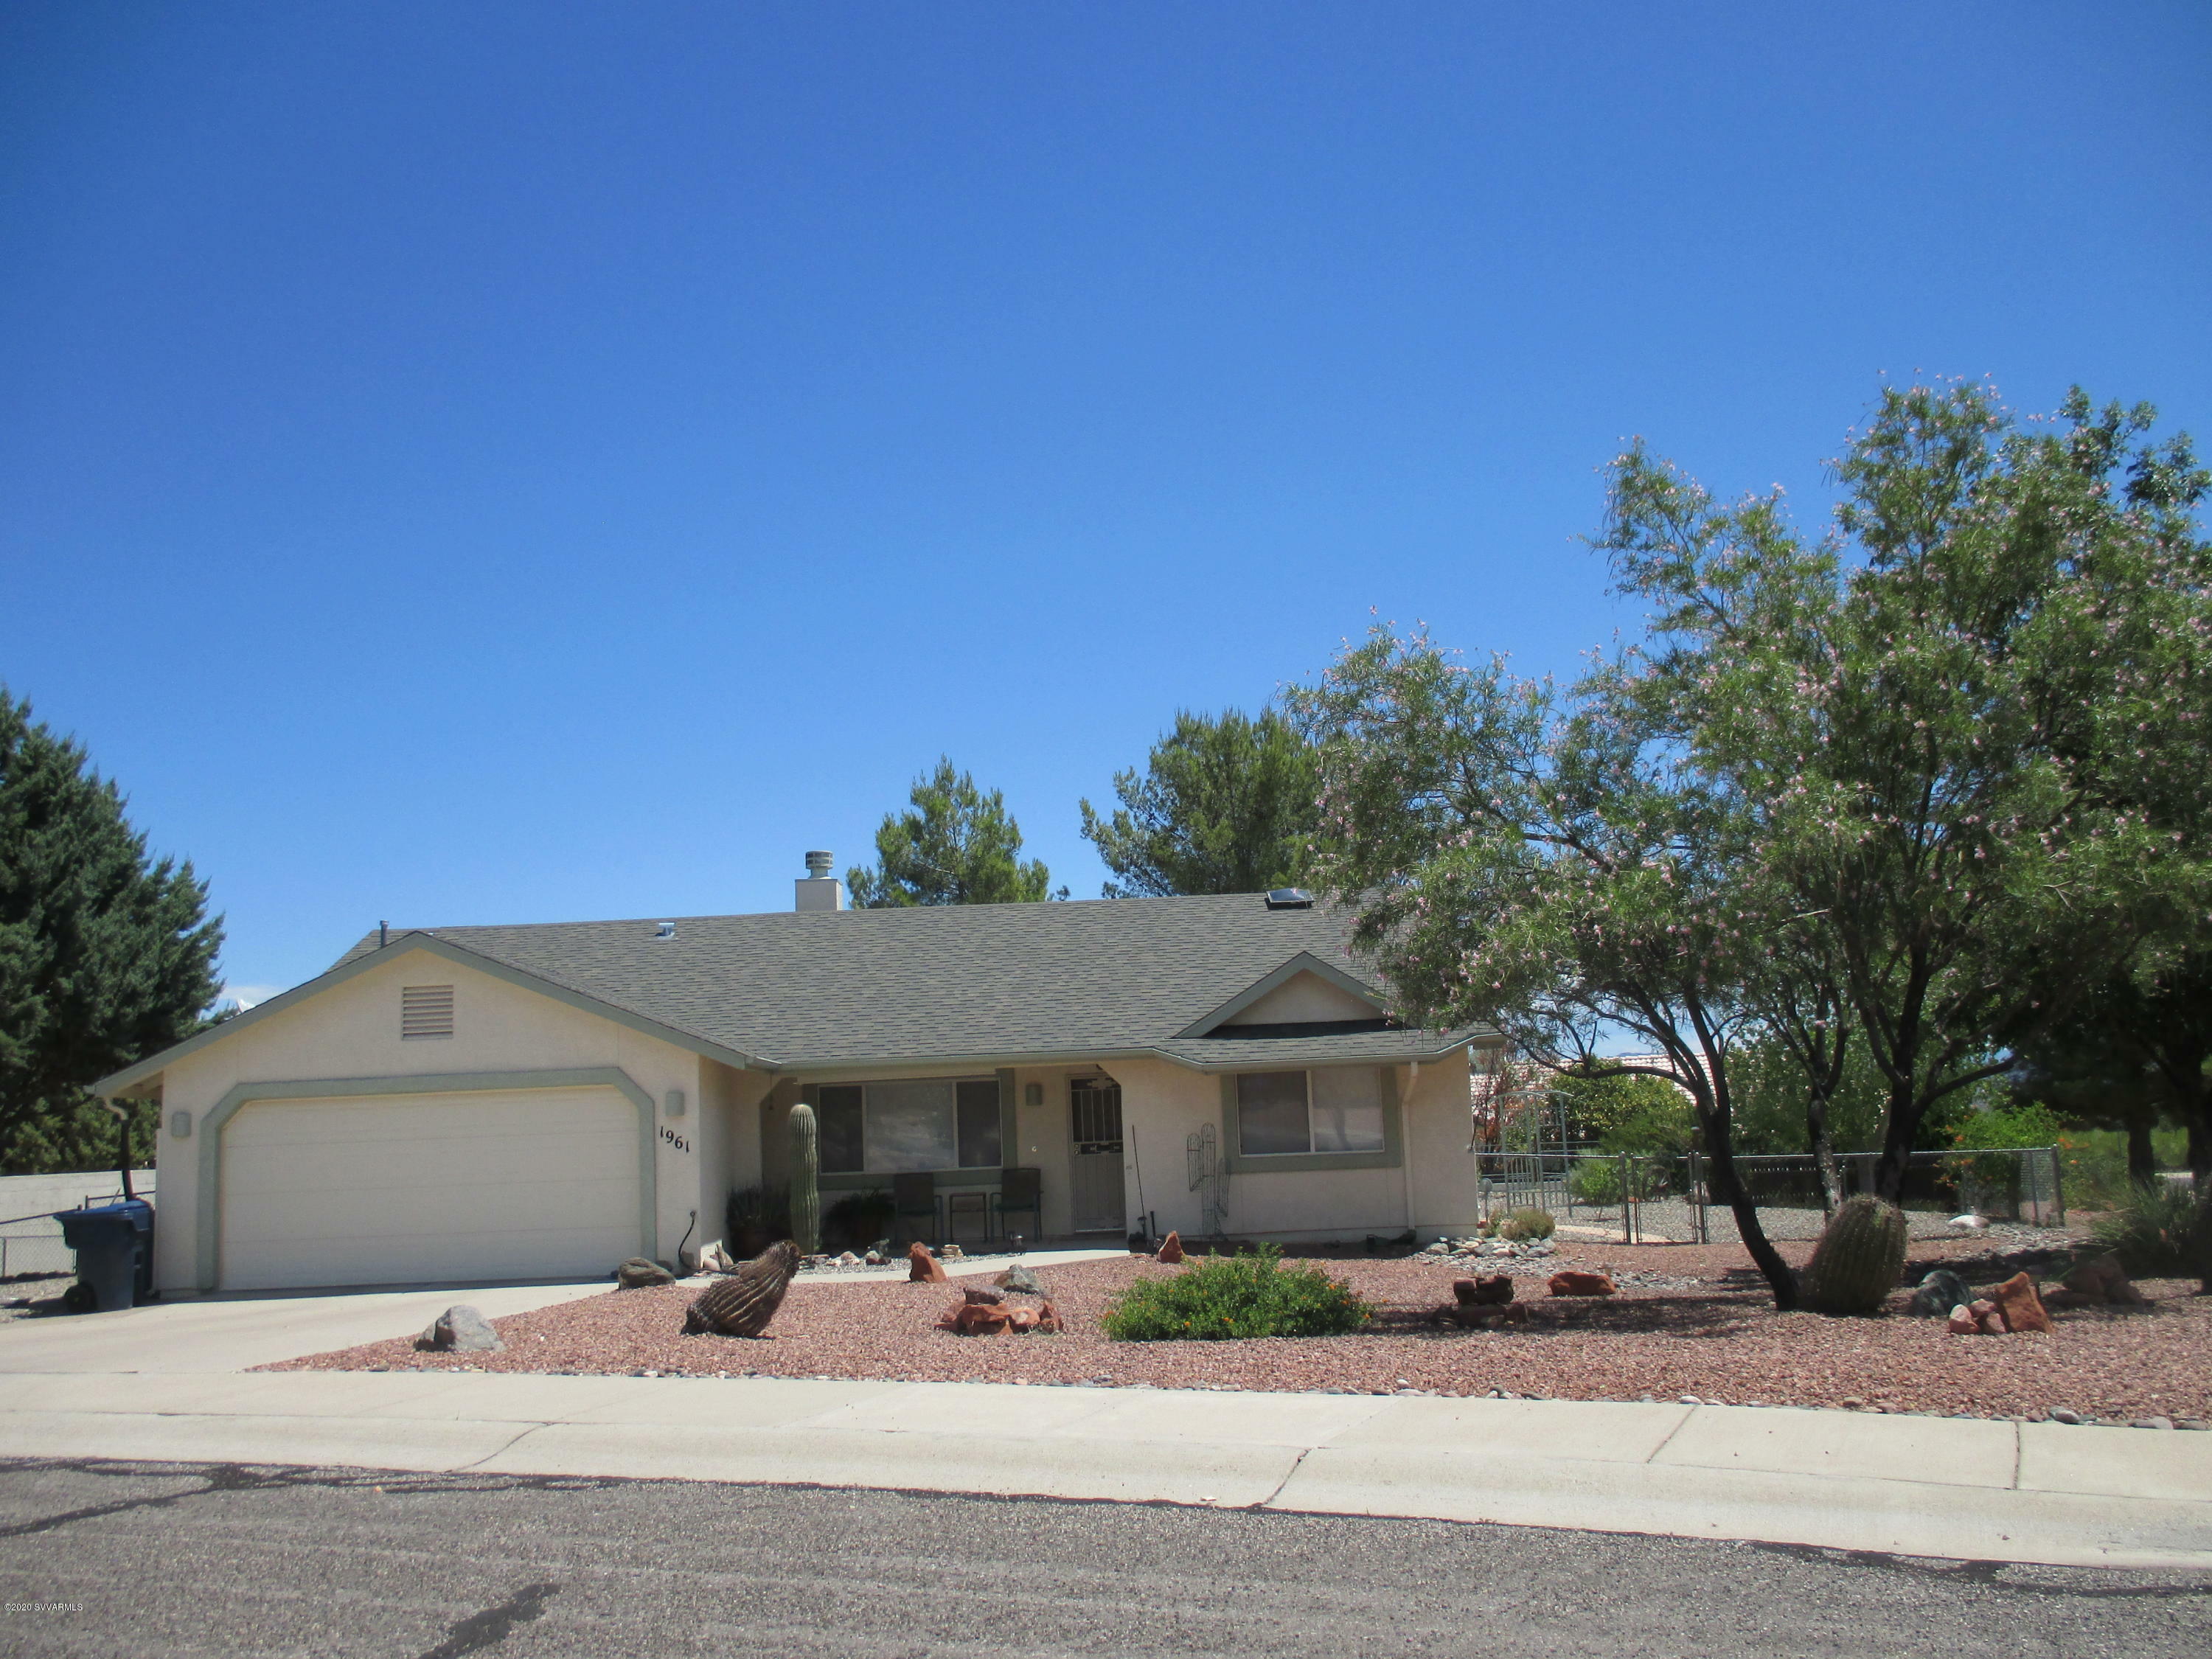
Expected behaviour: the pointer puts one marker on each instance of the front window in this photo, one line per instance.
(891, 1128)
(1335, 1109)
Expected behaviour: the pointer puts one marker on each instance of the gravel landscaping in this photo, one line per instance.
(1689, 1321)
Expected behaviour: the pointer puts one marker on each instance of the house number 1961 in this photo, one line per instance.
(676, 1141)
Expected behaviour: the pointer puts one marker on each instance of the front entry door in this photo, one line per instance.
(1095, 1181)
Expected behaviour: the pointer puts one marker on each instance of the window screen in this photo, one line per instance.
(1348, 1109)
(978, 1125)
(1271, 1113)
(837, 1118)
(910, 1127)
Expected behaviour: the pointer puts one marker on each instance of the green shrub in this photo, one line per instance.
(754, 1218)
(2093, 1164)
(1527, 1224)
(1595, 1181)
(1220, 1298)
(2162, 1233)
(859, 1219)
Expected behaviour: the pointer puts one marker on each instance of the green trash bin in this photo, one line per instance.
(115, 1260)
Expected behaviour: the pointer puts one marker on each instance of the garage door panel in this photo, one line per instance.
(399, 1189)
(372, 1211)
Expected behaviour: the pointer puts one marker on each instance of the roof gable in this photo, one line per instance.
(1330, 994)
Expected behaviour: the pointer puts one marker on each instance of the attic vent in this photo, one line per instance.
(1290, 898)
(425, 1010)
(663, 930)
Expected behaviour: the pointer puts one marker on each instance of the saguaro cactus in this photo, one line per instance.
(1860, 1257)
(805, 1181)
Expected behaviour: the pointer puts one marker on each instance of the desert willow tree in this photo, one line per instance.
(1539, 861)
(1935, 729)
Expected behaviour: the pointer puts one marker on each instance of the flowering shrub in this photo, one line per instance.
(1249, 1294)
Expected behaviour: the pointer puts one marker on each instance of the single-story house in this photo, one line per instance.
(461, 1103)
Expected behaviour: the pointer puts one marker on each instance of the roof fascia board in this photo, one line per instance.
(120, 1084)
(1305, 962)
(883, 1068)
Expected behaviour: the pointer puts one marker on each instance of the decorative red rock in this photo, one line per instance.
(1170, 1249)
(983, 1295)
(1963, 1322)
(2100, 1279)
(1486, 1291)
(975, 1319)
(923, 1268)
(1048, 1318)
(1569, 1282)
(2019, 1305)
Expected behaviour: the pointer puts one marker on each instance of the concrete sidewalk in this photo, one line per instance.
(1921, 1486)
(174, 1382)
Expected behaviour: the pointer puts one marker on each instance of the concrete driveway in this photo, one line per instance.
(237, 1333)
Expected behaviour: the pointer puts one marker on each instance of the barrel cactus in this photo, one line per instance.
(1860, 1257)
(743, 1304)
(805, 1181)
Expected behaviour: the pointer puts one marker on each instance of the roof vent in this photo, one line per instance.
(818, 889)
(663, 930)
(1290, 898)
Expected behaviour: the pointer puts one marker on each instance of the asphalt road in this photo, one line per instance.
(177, 1560)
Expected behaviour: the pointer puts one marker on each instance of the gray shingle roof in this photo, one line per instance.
(804, 990)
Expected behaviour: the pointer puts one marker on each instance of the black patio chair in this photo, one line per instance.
(1021, 1192)
(913, 1197)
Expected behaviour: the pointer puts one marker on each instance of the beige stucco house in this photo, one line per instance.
(467, 1103)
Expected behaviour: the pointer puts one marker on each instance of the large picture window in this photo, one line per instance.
(924, 1123)
(1338, 1109)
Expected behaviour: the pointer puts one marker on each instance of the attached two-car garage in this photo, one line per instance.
(414, 1188)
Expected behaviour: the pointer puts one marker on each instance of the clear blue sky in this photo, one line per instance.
(526, 462)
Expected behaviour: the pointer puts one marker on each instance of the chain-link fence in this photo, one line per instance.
(1654, 1198)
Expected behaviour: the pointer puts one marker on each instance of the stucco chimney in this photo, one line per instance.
(818, 889)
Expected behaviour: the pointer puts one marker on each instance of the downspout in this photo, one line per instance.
(122, 1147)
(1404, 1140)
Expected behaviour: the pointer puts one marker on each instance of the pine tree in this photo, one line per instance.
(957, 844)
(1223, 805)
(106, 954)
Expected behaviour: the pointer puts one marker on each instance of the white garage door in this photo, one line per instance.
(429, 1188)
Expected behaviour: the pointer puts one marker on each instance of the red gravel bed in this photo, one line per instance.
(1718, 1338)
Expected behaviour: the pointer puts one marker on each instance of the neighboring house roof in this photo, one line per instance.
(813, 990)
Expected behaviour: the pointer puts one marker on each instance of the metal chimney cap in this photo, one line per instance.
(817, 866)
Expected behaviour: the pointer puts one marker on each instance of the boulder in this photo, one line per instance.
(2019, 1306)
(461, 1329)
(1170, 1249)
(983, 1295)
(743, 1304)
(2100, 1279)
(975, 1319)
(1986, 1317)
(847, 1259)
(1494, 1289)
(1020, 1278)
(1940, 1292)
(1048, 1318)
(1569, 1282)
(1963, 1322)
(1021, 1319)
(637, 1274)
(922, 1268)
(1967, 1224)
